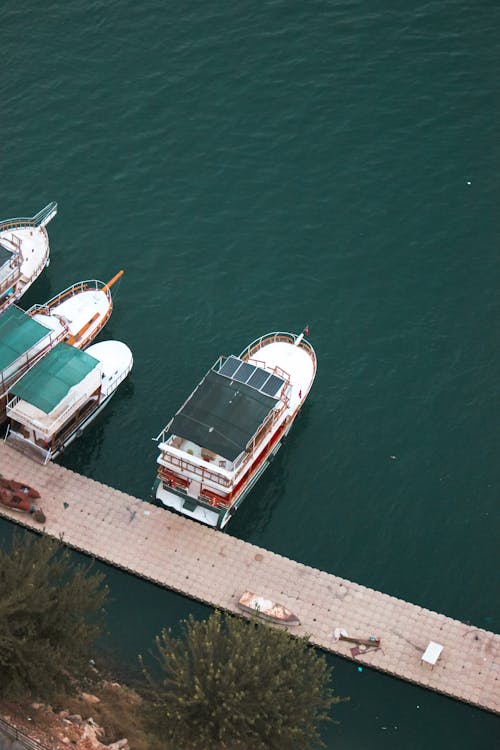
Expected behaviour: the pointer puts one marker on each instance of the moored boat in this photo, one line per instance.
(82, 310)
(75, 316)
(267, 609)
(60, 396)
(24, 253)
(224, 436)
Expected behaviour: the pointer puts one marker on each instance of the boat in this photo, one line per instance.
(24, 253)
(20, 497)
(267, 609)
(227, 432)
(19, 488)
(82, 310)
(51, 405)
(75, 316)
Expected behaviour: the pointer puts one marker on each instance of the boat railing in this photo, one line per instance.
(89, 285)
(265, 431)
(184, 465)
(26, 446)
(277, 336)
(113, 385)
(277, 370)
(56, 424)
(9, 280)
(38, 220)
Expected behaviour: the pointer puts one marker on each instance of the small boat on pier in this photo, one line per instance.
(20, 497)
(75, 316)
(267, 609)
(24, 253)
(62, 394)
(224, 436)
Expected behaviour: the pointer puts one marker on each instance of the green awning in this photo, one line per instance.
(222, 415)
(18, 333)
(49, 381)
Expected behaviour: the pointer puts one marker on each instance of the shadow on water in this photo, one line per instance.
(255, 513)
(87, 449)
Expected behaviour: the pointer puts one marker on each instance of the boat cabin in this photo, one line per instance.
(217, 433)
(52, 399)
(23, 341)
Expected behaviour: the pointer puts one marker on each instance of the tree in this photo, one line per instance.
(50, 615)
(229, 683)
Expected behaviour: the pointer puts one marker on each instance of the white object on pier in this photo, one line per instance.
(432, 652)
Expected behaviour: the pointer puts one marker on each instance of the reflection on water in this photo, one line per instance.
(256, 511)
(87, 449)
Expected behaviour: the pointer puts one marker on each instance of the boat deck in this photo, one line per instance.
(77, 311)
(216, 568)
(34, 247)
(293, 360)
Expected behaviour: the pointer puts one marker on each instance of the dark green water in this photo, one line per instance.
(256, 167)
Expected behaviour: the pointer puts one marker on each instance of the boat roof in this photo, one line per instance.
(5, 254)
(49, 381)
(222, 415)
(18, 333)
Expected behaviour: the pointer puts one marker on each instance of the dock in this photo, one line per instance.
(215, 568)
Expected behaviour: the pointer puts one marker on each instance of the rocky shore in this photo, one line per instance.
(85, 722)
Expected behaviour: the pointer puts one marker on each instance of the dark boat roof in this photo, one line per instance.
(5, 254)
(222, 415)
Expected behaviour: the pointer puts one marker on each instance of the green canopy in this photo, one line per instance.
(18, 333)
(49, 381)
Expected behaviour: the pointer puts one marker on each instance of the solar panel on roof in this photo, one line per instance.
(243, 372)
(258, 379)
(273, 385)
(230, 366)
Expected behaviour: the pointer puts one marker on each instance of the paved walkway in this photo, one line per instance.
(211, 566)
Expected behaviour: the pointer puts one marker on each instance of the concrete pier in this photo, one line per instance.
(215, 568)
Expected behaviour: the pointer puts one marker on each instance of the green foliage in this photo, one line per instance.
(50, 613)
(228, 683)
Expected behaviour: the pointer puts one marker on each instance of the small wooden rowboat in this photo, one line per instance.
(267, 609)
(18, 488)
(18, 496)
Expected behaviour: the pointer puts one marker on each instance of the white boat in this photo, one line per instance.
(81, 311)
(267, 609)
(60, 396)
(75, 316)
(24, 253)
(224, 436)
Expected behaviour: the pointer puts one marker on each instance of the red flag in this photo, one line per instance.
(306, 330)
